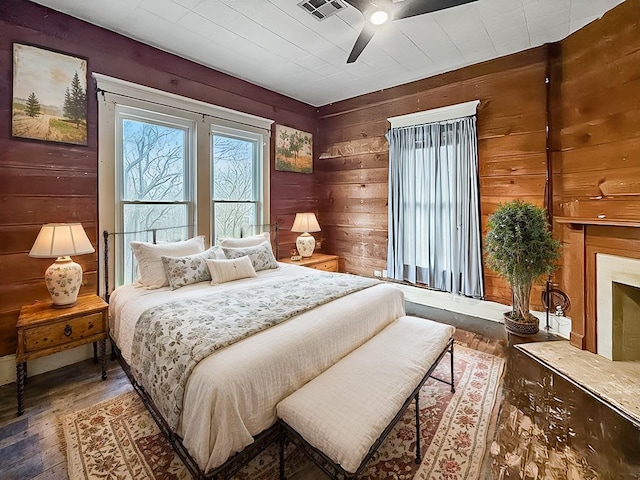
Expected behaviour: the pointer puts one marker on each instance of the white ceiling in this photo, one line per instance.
(275, 44)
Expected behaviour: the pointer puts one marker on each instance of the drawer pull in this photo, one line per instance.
(67, 330)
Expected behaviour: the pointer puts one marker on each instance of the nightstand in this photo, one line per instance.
(43, 330)
(319, 261)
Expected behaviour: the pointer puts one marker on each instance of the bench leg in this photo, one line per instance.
(453, 383)
(418, 454)
(283, 437)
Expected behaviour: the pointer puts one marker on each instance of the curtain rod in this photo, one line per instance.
(435, 115)
(204, 115)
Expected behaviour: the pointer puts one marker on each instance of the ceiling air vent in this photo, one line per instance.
(321, 9)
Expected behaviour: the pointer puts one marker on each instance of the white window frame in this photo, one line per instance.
(259, 173)
(114, 94)
(123, 112)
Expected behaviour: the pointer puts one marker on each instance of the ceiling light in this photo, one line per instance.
(379, 17)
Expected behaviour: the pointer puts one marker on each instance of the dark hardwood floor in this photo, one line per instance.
(31, 446)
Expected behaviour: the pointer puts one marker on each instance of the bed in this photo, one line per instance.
(230, 396)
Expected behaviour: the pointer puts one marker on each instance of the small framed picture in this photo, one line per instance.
(294, 150)
(49, 95)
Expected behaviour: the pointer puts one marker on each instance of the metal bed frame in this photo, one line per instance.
(335, 471)
(279, 432)
(225, 471)
(234, 463)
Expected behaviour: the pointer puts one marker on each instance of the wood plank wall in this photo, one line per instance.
(352, 168)
(45, 182)
(596, 117)
(595, 145)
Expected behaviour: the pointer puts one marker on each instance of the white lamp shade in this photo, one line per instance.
(60, 240)
(305, 222)
(64, 277)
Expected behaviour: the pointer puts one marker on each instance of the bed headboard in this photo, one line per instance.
(153, 234)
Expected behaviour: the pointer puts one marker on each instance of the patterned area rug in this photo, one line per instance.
(119, 439)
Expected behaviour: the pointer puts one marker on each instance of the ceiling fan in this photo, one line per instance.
(377, 12)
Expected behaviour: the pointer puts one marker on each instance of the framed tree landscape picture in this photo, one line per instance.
(49, 95)
(294, 150)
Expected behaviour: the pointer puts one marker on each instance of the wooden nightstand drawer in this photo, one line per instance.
(47, 336)
(318, 261)
(328, 266)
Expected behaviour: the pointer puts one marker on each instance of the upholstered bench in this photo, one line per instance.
(340, 418)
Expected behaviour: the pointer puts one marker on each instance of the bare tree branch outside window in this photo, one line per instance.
(153, 158)
(234, 192)
(154, 192)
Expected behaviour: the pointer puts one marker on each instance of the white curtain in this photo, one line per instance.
(434, 206)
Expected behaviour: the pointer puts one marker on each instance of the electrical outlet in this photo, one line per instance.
(377, 273)
(384, 273)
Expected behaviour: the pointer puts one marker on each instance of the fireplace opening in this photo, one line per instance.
(625, 322)
(618, 307)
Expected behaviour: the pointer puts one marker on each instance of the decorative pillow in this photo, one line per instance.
(261, 256)
(183, 271)
(151, 272)
(252, 241)
(227, 270)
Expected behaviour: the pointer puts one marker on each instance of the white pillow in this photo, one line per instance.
(227, 270)
(182, 271)
(151, 272)
(261, 255)
(251, 241)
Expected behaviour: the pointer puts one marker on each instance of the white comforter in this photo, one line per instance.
(231, 396)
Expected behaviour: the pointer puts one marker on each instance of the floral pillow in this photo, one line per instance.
(182, 271)
(261, 256)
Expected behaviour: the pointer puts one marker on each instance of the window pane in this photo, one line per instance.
(233, 168)
(231, 217)
(170, 220)
(153, 163)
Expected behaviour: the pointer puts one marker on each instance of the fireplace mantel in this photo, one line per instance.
(609, 222)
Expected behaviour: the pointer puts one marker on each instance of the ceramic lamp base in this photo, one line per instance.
(305, 244)
(63, 280)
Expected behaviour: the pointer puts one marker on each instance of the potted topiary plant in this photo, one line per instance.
(520, 248)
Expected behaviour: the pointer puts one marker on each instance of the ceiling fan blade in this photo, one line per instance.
(410, 8)
(363, 39)
(361, 5)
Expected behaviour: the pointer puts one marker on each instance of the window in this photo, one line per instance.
(172, 167)
(434, 214)
(236, 181)
(154, 158)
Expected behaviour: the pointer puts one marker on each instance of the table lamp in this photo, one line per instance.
(305, 223)
(64, 276)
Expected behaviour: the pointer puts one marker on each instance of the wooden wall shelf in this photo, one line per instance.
(612, 222)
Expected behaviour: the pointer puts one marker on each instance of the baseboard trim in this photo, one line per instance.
(455, 303)
(43, 364)
(478, 308)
